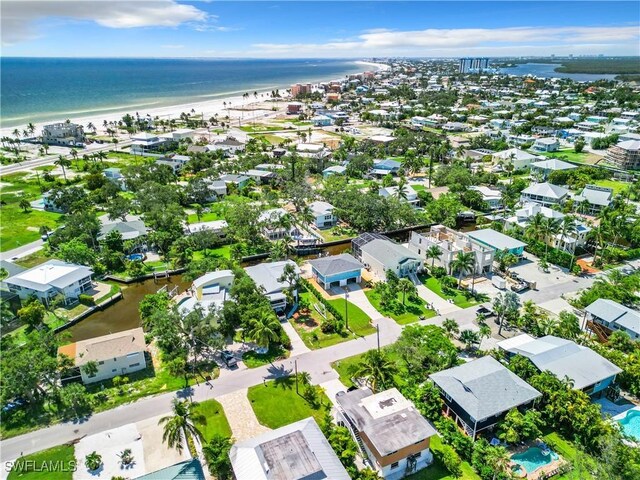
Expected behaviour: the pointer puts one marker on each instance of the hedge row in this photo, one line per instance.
(330, 308)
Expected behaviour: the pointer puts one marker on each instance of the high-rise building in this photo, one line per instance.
(473, 65)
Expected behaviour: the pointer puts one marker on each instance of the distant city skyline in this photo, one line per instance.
(288, 29)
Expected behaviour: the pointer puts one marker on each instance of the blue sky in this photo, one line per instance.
(175, 28)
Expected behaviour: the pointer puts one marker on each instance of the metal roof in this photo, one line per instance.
(613, 312)
(484, 387)
(266, 275)
(388, 253)
(553, 164)
(321, 208)
(294, 452)
(565, 358)
(335, 264)
(596, 195)
(53, 273)
(548, 190)
(388, 419)
(185, 470)
(495, 239)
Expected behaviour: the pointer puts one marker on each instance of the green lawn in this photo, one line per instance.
(33, 259)
(410, 312)
(259, 128)
(344, 366)
(617, 186)
(223, 251)
(308, 325)
(437, 471)
(568, 154)
(268, 138)
(276, 403)
(60, 456)
(205, 217)
(216, 419)
(580, 461)
(337, 233)
(20, 228)
(458, 297)
(254, 360)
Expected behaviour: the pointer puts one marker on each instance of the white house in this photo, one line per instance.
(50, 279)
(408, 194)
(519, 158)
(546, 194)
(267, 277)
(216, 227)
(209, 291)
(491, 197)
(119, 353)
(379, 254)
(274, 224)
(323, 213)
(614, 317)
(546, 144)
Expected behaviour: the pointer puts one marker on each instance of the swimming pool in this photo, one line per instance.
(631, 423)
(136, 256)
(533, 458)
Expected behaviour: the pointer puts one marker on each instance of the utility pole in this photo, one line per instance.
(378, 336)
(346, 308)
(295, 366)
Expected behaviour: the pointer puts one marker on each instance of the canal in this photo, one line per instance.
(122, 315)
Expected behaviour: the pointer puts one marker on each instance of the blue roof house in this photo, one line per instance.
(336, 270)
(385, 167)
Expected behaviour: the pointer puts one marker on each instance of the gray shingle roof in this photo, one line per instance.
(129, 230)
(335, 264)
(321, 208)
(565, 358)
(597, 195)
(553, 164)
(548, 190)
(266, 275)
(484, 387)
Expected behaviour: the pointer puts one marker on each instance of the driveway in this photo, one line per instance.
(439, 304)
(242, 420)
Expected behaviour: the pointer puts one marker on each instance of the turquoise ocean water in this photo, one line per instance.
(40, 89)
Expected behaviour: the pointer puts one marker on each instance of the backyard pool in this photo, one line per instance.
(136, 257)
(631, 423)
(533, 458)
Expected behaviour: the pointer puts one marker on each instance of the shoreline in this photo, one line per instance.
(206, 108)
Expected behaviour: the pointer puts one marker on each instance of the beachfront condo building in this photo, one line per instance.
(63, 134)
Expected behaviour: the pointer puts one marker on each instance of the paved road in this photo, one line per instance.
(316, 362)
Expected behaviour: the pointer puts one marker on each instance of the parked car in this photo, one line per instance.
(18, 402)
(228, 358)
(519, 287)
(487, 312)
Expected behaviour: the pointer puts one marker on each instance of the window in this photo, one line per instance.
(134, 354)
(395, 465)
(447, 397)
(134, 365)
(114, 370)
(101, 362)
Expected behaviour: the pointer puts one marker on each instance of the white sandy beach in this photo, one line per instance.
(207, 109)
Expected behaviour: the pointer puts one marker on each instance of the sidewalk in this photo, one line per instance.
(297, 345)
(440, 304)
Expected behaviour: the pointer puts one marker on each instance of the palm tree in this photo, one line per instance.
(469, 338)
(464, 263)
(484, 330)
(377, 368)
(279, 250)
(550, 228)
(535, 226)
(264, 329)
(569, 227)
(499, 459)
(401, 193)
(306, 216)
(63, 163)
(451, 327)
(433, 252)
(406, 286)
(180, 426)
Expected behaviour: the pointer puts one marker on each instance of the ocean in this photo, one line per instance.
(41, 89)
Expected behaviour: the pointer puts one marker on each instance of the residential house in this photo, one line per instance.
(336, 270)
(217, 189)
(546, 144)
(497, 241)
(587, 370)
(593, 198)
(450, 243)
(266, 276)
(240, 181)
(185, 470)
(314, 151)
(260, 176)
(216, 227)
(115, 354)
(295, 108)
(229, 146)
(322, 121)
(129, 229)
(614, 316)
(478, 394)
(142, 142)
(389, 430)
(455, 127)
(567, 242)
(546, 194)
(63, 134)
(625, 155)
(50, 279)
(385, 167)
(493, 198)
(379, 254)
(115, 175)
(208, 292)
(298, 451)
(545, 167)
(334, 170)
(408, 194)
(274, 224)
(176, 162)
(519, 158)
(323, 213)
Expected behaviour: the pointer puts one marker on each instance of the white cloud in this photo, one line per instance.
(453, 42)
(19, 16)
